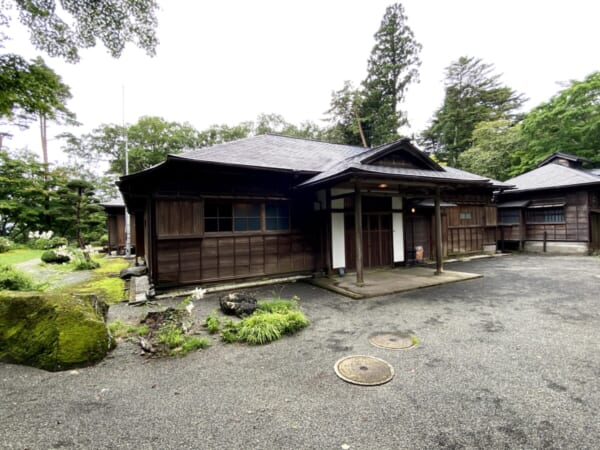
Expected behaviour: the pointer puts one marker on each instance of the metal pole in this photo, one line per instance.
(127, 221)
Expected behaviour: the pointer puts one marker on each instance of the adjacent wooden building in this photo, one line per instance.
(274, 205)
(115, 225)
(553, 208)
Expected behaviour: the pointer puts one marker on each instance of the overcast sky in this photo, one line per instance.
(223, 62)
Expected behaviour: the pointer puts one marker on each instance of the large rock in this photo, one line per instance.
(53, 332)
(237, 303)
(135, 271)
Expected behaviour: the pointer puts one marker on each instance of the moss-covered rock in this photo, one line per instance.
(52, 332)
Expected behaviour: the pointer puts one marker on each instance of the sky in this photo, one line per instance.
(224, 62)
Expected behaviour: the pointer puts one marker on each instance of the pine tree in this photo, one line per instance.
(473, 95)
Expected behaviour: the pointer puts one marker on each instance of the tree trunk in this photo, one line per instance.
(44, 138)
(360, 130)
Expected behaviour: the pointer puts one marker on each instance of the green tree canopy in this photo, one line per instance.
(370, 115)
(568, 123)
(474, 94)
(495, 145)
(61, 28)
(149, 142)
(392, 67)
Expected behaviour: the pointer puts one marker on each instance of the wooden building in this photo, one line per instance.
(554, 208)
(115, 224)
(273, 205)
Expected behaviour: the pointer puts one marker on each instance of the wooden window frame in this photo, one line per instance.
(262, 219)
(546, 215)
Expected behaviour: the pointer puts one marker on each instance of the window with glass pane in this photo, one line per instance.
(508, 215)
(545, 215)
(217, 217)
(246, 217)
(277, 216)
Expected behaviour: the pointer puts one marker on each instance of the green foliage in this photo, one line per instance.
(171, 336)
(569, 123)
(270, 322)
(52, 257)
(5, 245)
(278, 305)
(194, 343)
(122, 330)
(18, 255)
(473, 95)
(229, 332)
(109, 289)
(370, 116)
(494, 150)
(47, 244)
(12, 279)
(260, 328)
(62, 29)
(213, 323)
(392, 67)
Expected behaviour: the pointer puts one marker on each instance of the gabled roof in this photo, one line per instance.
(566, 156)
(359, 164)
(275, 152)
(552, 176)
(324, 161)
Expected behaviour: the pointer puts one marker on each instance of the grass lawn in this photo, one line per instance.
(19, 255)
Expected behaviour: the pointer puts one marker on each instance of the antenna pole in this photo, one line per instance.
(127, 220)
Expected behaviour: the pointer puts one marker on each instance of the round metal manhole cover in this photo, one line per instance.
(394, 341)
(364, 370)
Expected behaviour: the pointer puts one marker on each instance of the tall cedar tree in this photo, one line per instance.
(392, 67)
(473, 95)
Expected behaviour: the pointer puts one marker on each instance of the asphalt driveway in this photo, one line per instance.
(510, 360)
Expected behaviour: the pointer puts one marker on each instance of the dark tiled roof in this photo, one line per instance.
(552, 176)
(559, 155)
(275, 152)
(354, 164)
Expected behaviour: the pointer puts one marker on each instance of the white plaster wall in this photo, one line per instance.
(398, 230)
(338, 244)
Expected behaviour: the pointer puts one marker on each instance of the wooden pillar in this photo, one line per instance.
(522, 229)
(358, 234)
(439, 267)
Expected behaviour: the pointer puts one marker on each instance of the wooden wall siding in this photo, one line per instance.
(595, 231)
(184, 261)
(116, 230)
(468, 235)
(575, 228)
(176, 218)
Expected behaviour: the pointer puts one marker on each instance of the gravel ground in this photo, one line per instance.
(510, 360)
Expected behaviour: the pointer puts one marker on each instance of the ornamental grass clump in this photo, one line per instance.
(272, 320)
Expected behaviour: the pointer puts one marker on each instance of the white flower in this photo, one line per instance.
(198, 293)
(189, 307)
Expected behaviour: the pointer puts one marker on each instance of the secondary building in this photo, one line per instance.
(554, 208)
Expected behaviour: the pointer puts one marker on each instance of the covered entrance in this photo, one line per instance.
(377, 240)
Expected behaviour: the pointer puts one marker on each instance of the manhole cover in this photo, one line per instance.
(395, 341)
(364, 370)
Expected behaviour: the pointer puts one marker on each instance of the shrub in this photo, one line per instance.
(213, 323)
(15, 280)
(82, 261)
(47, 244)
(52, 257)
(229, 333)
(5, 244)
(171, 336)
(295, 321)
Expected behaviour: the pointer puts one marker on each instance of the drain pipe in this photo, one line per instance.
(545, 239)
